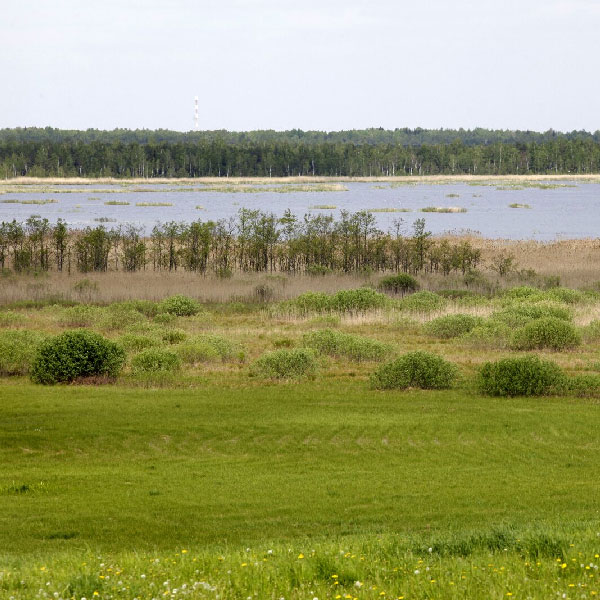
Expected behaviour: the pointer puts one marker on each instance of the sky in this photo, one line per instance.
(308, 64)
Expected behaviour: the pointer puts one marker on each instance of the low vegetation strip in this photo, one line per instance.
(496, 563)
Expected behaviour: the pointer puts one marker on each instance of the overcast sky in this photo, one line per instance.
(308, 64)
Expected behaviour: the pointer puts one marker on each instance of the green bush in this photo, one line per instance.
(359, 300)
(205, 348)
(490, 334)
(312, 302)
(416, 369)
(155, 360)
(399, 284)
(523, 293)
(583, 386)
(520, 376)
(74, 354)
(285, 364)
(145, 307)
(193, 352)
(80, 315)
(164, 318)
(119, 316)
(422, 302)
(518, 315)
(548, 332)
(353, 347)
(179, 305)
(136, 342)
(451, 326)
(174, 336)
(566, 295)
(18, 349)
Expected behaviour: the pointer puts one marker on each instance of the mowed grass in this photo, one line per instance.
(118, 468)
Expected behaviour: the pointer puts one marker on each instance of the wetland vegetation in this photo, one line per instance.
(288, 405)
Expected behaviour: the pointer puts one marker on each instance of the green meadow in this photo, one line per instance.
(213, 481)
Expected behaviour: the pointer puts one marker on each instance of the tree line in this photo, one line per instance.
(253, 241)
(375, 135)
(217, 158)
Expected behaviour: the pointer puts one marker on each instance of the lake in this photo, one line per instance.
(539, 211)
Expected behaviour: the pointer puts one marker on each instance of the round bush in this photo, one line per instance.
(74, 354)
(358, 300)
(353, 347)
(179, 305)
(422, 302)
(546, 333)
(205, 348)
(399, 284)
(415, 369)
(285, 364)
(522, 376)
(518, 315)
(451, 326)
(155, 360)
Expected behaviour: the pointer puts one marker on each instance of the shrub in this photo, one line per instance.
(354, 347)
(165, 318)
(180, 305)
(174, 336)
(490, 334)
(523, 292)
(18, 349)
(416, 369)
(119, 316)
(145, 307)
(518, 315)
(422, 302)
(73, 354)
(196, 351)
(312, 302)
(285, 364)
(522, 376)
(137, 342)
(399, 284)
(566, 295)
(205, 348)
(359, 300)
(452, 326)
(80, 315)
(155, 360)
(583, 386)
(548, 332)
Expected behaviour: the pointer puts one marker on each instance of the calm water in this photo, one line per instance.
(563, 212)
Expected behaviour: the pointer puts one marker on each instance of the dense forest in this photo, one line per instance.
(364, 153)
(254, 241)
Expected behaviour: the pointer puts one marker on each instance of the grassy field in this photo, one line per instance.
(212, 483)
